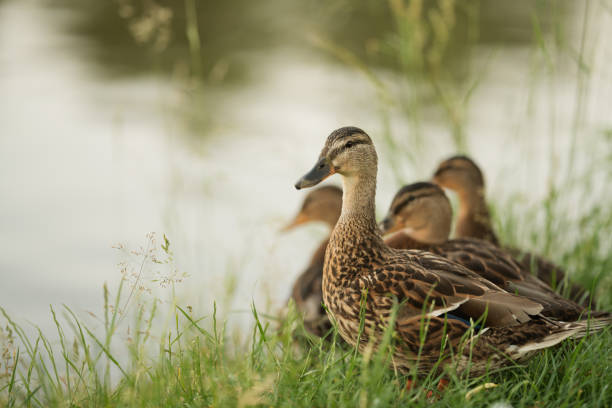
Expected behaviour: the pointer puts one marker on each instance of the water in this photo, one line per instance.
(89, 160)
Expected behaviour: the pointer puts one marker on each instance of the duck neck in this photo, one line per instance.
(358, 218)
(474, 219)
(472, 203)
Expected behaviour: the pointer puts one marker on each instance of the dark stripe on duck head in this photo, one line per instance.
(343, 132)
(417, 186)
(340, 134)
(348, 145)
(409, 193)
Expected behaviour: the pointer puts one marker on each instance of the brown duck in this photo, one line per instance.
(420, 217)
(464, 177)
(322, 204)
(434, 299)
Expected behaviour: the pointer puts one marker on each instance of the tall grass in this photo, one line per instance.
(194, 361)
(146, 352)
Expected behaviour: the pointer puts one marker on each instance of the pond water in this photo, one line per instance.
(89, 160)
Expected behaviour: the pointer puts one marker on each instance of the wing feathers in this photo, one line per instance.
(440, 286)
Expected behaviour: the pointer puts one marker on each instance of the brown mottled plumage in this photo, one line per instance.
(432, 292)
(463, 176)
(321, 204)
(420, 217)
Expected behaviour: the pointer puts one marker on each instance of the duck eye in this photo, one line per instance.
(348, 145)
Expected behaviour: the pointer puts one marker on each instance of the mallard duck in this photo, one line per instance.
(463, 176)
(436, 299)
(321, 204)
(420, 217)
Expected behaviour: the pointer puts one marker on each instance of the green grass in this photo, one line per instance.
(132, 361)
(195, 366)
(146, 353)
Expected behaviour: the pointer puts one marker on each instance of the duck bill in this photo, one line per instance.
(321, 170)
(298, 220)
(386, 224)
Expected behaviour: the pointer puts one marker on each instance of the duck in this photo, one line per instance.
(463, 176)
(420, 217)
(323, 204)
(429, 302)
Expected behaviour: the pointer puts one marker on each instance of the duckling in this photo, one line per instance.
(429, 299)
(321, 204)
(420, 217)
(462, 175)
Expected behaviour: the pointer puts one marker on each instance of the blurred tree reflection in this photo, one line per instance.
(208, 39)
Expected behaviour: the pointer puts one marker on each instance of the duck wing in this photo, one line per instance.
(552, 274)
(499, 266)
(482, 257)
(428, 285)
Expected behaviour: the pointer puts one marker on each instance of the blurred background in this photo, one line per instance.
(194, 118)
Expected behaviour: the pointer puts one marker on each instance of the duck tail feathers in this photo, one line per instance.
(573, 330)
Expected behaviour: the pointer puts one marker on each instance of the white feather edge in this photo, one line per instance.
(546, 342)
(575, 329)
(454, 306)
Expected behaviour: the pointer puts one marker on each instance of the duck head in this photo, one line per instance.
(459, 173)
(321, 204)
(348, 151)
(422, 210)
